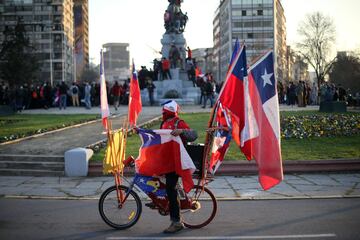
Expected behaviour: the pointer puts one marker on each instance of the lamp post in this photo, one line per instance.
(51, 45)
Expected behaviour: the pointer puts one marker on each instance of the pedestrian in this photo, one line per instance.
(165, 69)
(63, 89)
(200, 82)
(75, 94)
(19, 99)
(300, 94)
(87, 96)
(150, 87)
(189, 53)
(171, 120)
(116, 92)
(174, 56)
(190, 69)
(314, 94)
(209, 90)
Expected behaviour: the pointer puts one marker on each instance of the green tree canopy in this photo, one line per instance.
(18, 62)
(346, 71)
(90, 75)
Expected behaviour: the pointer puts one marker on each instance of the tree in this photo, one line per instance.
(18, 62)
(346, 71)
(318, 36)
(90, 75)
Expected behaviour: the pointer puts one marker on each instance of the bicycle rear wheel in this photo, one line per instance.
(119, 217)
(204, 208)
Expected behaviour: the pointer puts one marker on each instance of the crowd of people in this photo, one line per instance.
(88, 94)
(303, 93)
(62, 95)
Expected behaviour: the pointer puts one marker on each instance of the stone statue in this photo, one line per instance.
(174, 19)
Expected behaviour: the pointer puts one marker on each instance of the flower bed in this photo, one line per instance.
(331, 125)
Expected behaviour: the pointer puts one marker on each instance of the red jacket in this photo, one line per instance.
(165, 64)
(171, 124)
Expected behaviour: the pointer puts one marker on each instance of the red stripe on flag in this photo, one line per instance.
(135, 105)
(156, 160)
(265, 147)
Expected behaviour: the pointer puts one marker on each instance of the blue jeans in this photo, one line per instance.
(211, 97)
(62, 103)
(87, 100)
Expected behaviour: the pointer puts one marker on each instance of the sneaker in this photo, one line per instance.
(150, 205)
(174, 227)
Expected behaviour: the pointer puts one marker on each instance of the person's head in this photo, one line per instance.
(170, 109)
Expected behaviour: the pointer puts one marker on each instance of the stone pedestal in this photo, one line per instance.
(186, 93)
(178, 40)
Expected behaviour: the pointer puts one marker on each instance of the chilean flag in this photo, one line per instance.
(104, 106)
(262, 128)
(162, 153)
(232, 93)
(135, 105)
(222, 138)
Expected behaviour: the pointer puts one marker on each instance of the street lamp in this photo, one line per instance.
(51, 40)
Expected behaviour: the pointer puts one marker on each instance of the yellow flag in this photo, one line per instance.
(113, 161)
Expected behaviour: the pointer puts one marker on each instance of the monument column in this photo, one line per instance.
(174, 47)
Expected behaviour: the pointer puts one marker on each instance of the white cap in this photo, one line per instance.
(171, 106)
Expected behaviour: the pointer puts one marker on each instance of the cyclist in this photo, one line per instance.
(170, 120)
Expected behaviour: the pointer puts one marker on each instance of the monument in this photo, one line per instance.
(173, 49)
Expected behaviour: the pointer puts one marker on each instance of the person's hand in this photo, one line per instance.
(211, 130)
(135, 130)
(177, 132)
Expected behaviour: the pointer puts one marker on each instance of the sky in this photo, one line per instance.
(140, 23)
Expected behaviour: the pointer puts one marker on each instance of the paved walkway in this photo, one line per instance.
(225, 188)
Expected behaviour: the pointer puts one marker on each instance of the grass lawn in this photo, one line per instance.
(292, 149)
(21, 125)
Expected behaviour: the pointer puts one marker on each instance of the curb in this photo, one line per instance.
(219, 199)
(237, 168)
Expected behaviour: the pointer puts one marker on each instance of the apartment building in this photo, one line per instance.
(116, 61)
(258, 23)
(50, 27)
(81, 28)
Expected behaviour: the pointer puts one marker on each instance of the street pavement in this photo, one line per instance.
(294, 186)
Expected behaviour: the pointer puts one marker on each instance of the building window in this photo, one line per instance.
(260, 12)
(243, 13)
(250, 35)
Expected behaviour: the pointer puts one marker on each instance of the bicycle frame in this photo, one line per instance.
(155, 189)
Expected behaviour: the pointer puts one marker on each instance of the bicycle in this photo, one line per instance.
(120, 207)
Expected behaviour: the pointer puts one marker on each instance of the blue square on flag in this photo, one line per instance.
(149, 138)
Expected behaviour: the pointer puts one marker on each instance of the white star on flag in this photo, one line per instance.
(266, 78)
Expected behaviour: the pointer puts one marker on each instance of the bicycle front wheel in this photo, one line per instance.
(120, 216)
(203, 210)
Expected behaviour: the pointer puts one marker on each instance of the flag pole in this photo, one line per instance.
(208, 140)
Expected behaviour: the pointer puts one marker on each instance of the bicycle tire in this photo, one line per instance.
(206, 200)
(113, 215)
